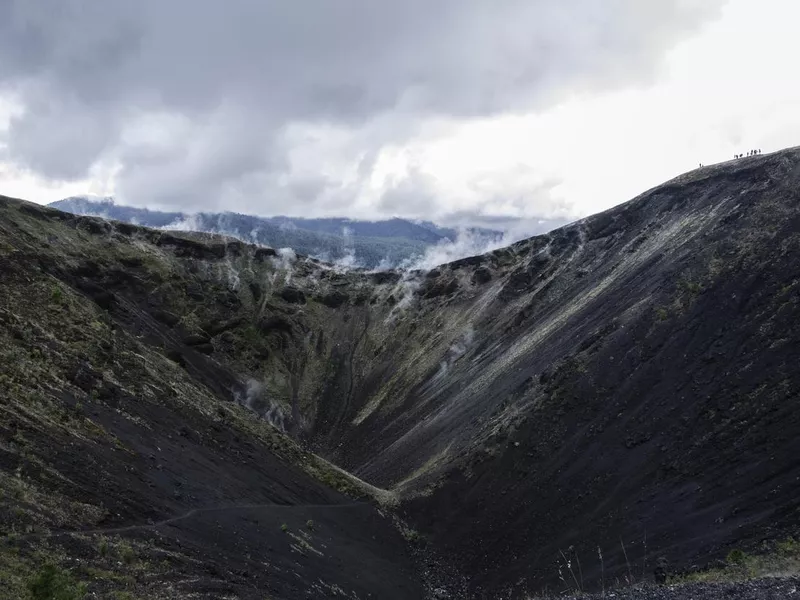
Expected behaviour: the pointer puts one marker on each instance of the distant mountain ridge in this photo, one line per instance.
(370, 244)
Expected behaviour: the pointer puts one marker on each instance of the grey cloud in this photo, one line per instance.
(413, 195)
(519, 189)
(58, 137)
(239, 74)
(514, 227)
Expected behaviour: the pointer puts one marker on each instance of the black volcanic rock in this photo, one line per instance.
(275, 323)
(438, 285)
(334, 299)
(196, 339)
(292, 295)
(190, 248)
(482, 275)
(262, 254)
(385, 277)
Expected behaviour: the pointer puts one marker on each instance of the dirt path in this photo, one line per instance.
(182, 517)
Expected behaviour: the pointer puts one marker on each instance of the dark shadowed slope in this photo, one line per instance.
(630, 376)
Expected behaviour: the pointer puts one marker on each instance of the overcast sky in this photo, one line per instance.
(474, 110)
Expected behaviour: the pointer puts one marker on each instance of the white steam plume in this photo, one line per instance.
(254, 399)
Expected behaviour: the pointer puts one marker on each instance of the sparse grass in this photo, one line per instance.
(102, 546)
(34, 505)
(736, 557)
(690, 287)
(15, 569)
(778, 559)
(412, 535)
(99, 574)
(191, 322)
(333, 478)
(567, 573)
(43, 569)
(789, 547)
(125, 552)
(56, 295)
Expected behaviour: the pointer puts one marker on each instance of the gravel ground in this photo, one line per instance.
(759, 589)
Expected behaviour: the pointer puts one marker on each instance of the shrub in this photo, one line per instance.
(736, 557)
(126, 553)
(412, 535)
(788, 547)
(310, 524)
(54, 583)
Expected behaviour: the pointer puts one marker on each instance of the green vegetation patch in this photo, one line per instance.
(52, 582)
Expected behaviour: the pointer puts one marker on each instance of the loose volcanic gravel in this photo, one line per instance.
(759, 589)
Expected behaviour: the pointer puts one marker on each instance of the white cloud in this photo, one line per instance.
(724, 92)
(727, 89)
